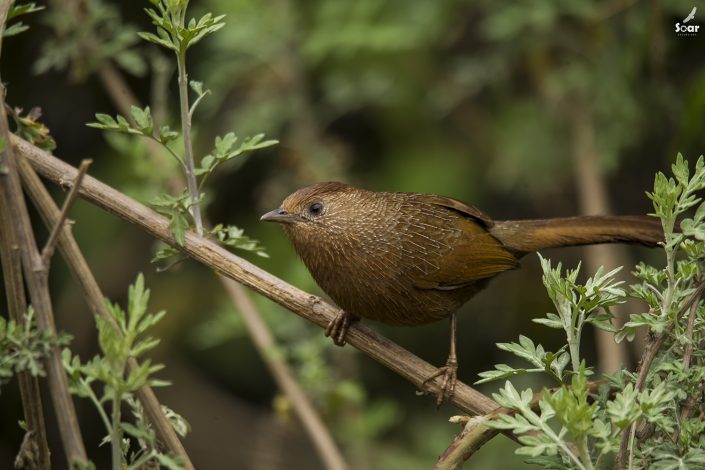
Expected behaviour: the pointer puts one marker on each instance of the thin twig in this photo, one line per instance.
(189, 165)
(50, 246)
(474, 435)
(220, 260)
(688, 352)
(38, 286)
(96, 301)
(691, 402)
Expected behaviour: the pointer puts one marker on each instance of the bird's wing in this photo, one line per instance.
(459, 206)
(691, 15)
(471, 253)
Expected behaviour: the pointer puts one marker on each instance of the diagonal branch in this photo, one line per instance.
(262, 337)
(220, 260)
(50, 246)
(474, 435)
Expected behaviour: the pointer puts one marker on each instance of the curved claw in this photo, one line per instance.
(338, 327)
(450, 378)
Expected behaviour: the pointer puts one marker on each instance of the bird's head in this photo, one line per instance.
(319, 213)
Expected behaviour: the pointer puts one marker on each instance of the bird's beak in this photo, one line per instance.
(279, 215)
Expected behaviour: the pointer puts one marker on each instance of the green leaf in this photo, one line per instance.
(106, 120)
(150, 37)
(164, 254)
(137, 298)
(14, 29)
(170, 462)
(111, 344)
(526, 349)
(197, 87)
(502, 371)
(166, 135)
(143, 119)
(138, 432)
(178, 224)
(234, 237)
(18, 9)
(680, 170)
(624, 410)
(143, 346)
(552, 321)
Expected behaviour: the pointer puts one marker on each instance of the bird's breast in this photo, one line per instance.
(373, 270)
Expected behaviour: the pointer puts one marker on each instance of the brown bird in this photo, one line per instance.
(411, 258)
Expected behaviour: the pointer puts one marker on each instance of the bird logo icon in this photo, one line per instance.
(691, 15)
(684, 29)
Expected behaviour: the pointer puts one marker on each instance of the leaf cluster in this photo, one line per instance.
(578, 427)
(173, 32)
(23, 346)
(19, 9)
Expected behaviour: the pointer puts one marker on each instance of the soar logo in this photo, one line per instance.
(684, 29)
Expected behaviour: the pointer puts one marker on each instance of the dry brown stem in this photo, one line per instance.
(17, 306)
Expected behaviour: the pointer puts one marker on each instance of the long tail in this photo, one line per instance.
(524, 236)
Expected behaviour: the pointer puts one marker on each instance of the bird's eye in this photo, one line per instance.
(315, 209)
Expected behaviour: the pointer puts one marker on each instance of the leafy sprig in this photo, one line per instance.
(175, 33)
(23, 347)
(106, 379)
(172, 30)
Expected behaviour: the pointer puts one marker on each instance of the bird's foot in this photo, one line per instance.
(338, 327)
(449, 372)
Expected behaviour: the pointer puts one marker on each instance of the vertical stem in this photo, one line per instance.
(573, 339)
(632, 433)
(574, 354)
(195, 208)
(115, 434)
(585, 453)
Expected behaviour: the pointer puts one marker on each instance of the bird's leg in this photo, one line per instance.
(338, 327)
(449, 371)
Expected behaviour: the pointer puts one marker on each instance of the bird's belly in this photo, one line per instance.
(401, 304)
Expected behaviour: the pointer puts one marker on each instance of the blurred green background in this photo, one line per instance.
(500, 104)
